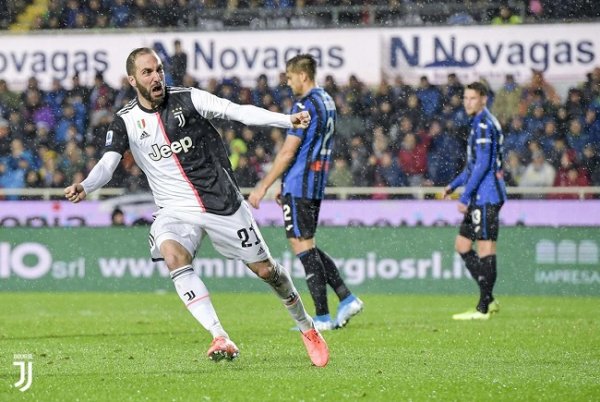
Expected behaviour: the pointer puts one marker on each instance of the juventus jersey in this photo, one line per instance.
(179, 150)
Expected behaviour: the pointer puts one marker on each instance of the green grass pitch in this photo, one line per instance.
(138, 347)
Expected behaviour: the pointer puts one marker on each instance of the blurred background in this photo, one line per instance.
(396, 70)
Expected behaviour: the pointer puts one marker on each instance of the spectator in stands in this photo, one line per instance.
(592, 125)
(538, 86)
(340, 176)
(548, 137)
(430, 98)
(535, 121)
(245, 174)
(14, 166)
(591, 87)
(559, 147)
(78, 91)
(399, 130)
(55, 98)
(506, 104)
(401, 93)
(388, 172)
(414, 111)
(36, 111)
(516, 137)
(135, 181)
(72, 160)
(577, 138)
(102, 94)
(4, 137)
(261, 161)
(591, 163)
(452, 88)
(124, 94)
(412, 159)
(9, 100)
(538, 173)
(513, 169)
(561, 117)
(380, 141)
(32, 180)
(359, 156)
(68, 119)
(348, 124)
(282, 90)
(569, 175)
(443, 156)
(383, 115)
(179, 64)
(576, 105)
(357, 96)
(261, 90)
(95, 11)
(117, 217)
(505, 16)
(330, 86)
(121, 14)
(69, 13)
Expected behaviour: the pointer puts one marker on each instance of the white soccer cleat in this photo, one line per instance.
(348, 310)
(471, 315)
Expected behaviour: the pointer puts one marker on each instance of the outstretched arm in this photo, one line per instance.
(282, 161)
(256, 116)
(211, 106)
(98, 177)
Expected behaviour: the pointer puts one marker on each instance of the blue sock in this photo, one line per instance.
(348, 299)
(324, 318)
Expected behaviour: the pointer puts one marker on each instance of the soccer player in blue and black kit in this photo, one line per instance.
(304, 162)
(483, 196)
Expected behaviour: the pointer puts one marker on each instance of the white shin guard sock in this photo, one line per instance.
(195, 296)
(282, 284)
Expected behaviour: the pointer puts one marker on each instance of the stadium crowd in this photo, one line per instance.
(391, 135)
(260, 14)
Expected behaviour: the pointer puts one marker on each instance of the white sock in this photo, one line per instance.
(194, 294)
(282, 284)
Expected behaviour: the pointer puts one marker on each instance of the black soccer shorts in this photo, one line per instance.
(481, 222)
(300, 216)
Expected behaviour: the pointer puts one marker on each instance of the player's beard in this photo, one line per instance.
(147, 95)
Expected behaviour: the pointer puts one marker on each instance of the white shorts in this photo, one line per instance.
(234, 236)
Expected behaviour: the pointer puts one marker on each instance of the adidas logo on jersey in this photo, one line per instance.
(165, 151)
(144, 135)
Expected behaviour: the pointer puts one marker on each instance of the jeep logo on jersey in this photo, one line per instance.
(165, 151)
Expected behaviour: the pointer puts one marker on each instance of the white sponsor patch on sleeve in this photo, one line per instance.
(109, 138)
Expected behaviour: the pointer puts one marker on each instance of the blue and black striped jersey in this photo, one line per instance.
(482, 177)
(306, 176)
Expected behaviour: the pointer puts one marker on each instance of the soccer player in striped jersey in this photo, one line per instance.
(304, 162)
(483, 196)
(170, 134)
